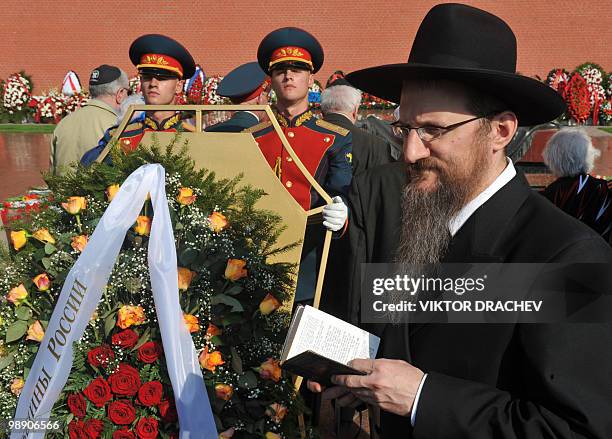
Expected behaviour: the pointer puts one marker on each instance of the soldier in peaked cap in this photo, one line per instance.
(290, 56)
(163, 64)
(245, 85)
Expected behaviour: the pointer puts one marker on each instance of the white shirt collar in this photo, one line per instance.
(466, 212)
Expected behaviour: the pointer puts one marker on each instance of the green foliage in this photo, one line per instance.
(245, 339)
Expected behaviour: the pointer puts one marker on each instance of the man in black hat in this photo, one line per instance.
(163, 65)
(108, 88)
(457, 198)
(245, 85)
(290, 56)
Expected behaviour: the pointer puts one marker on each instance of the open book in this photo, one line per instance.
(320, 345)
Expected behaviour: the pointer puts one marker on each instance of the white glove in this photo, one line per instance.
(334, 215)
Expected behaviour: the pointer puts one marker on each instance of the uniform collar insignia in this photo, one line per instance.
(166, 124)
(296, 121)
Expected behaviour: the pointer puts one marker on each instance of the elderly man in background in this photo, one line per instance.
(570, 155)
(108, 87)
(340, 106)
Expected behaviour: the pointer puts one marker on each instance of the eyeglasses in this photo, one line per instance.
(429, 133)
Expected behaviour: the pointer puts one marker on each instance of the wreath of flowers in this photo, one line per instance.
(134, 84)
(230, 294)
(209, 91)
(558, 79)
(16, 95)
(194, 95)
(578, 98)
(593, 75)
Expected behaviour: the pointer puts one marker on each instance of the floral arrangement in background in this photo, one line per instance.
(54, 106)
(16, 94)
(209, 91)
(587, 92)
(230, 294)
(134, 84)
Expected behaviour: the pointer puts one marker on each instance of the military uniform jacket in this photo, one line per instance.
(78, 131)
(133, 133)
(492, 380)
(324, 149)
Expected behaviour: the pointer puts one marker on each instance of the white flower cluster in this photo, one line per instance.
(593, 78)
(209, 91)
(17, 93)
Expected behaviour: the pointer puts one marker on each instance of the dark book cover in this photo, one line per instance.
(313, 366)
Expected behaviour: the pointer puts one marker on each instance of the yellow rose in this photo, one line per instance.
(269, 304)
(224, 391)
(42, 282)
(191, 322)
(270, 435)
(19, 239)
(111, 191)
(235, 269)
(270, 370)
(185, 196)
(218, 222)
(17, 386)
(17, 295)
(185, 276)
(227, 434)
(74, 205)
(211, 360)
(276, 412)
(79, 242)
(130, 315)
(35, 332)
(43, 235)
(143, 225)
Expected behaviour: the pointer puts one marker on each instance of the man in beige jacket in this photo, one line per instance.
(77, 132)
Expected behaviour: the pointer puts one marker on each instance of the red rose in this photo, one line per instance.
(94, 428)
(146, 428)
(121, 412)
(123, 434)
(149, 352)
(125, 380)
(167, 410)
(98, 392)
(126, 339)
(150, 393)
(76, 430)
(77, 405)
(100, 356)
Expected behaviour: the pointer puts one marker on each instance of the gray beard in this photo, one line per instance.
(425, 236)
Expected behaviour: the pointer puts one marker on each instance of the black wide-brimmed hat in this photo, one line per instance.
(161, 55)
(290, 45)
(471, 46)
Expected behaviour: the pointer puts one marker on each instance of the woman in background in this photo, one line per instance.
(570, 156)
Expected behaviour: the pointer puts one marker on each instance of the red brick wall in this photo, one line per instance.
(48, 37)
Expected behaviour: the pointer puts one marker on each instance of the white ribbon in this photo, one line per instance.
(81, 294)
